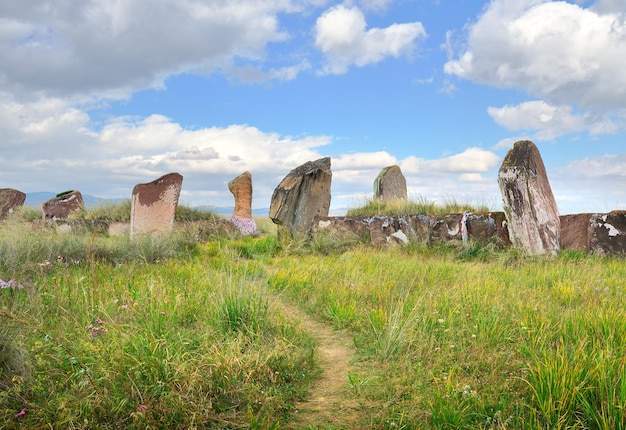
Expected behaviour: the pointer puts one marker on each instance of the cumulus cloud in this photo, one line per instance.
(114, 47)
(550, 122)
(341, 34)
(570, 56)
(591, 184)
(472, 160)
(555, 50)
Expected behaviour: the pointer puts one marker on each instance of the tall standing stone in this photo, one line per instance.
(390, 184)
(154, 205)
(529, 205)
(10, 200)
(241, 188)
(301, 196)
(61, 206)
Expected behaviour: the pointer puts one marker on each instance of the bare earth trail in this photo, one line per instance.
(331, 403)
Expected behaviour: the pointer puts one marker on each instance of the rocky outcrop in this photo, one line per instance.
(390, 184)
(64, 204)
(384, 230)
(528, 202)
(241, 188)
(10, 200)
(301, 196)
(154, 205)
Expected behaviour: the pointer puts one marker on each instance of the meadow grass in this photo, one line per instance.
(450, 342)
(419, 205)
(184, 336)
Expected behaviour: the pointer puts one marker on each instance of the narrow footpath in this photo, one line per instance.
(331, 403)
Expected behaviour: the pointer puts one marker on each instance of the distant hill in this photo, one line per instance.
(39, 197)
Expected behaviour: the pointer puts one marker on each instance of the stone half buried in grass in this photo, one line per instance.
(10, 200)
(64, 204)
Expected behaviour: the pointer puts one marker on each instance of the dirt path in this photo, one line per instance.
(331, 403)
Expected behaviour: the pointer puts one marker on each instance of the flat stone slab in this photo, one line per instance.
(154, 205)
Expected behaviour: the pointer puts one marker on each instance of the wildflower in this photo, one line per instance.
(10, 285)
(142, 408)
(98, 328)
(21, 413)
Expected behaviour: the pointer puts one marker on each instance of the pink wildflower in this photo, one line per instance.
(21, 413)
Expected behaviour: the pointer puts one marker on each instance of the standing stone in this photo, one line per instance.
(154, 205)
(390, 184)
(61, 206)
(10, 200)
(529, 205)
(301, 196)
(241, 187)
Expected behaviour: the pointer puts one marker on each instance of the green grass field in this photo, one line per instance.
(166, 332)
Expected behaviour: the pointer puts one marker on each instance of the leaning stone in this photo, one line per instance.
(10, 200)
(301, 196)
(529, 205)
(607, 233)
(64, 204)
(154, 205)
(241, 188)
(390, 184)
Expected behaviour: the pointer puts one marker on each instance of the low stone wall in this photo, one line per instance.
(387, 229)
(599, 233)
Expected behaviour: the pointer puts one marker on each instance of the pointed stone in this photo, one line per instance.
(154, 205)
(61, 206)
(390, 184)
(531, 211)
(301, 196)
(241, 188)
(10, 200)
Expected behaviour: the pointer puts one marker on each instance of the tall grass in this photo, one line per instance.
(186, 343)
(180, 334)
(419, 206)
(461, 342)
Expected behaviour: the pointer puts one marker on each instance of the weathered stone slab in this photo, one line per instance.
(10, 200)
(607, 233)
(390, 184)
(61, 206)
(575, 231)
(529, 205)
(301, 196)
(387, 229)
(154, 205)
(241, 188)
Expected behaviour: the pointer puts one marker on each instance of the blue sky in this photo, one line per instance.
(101, 95)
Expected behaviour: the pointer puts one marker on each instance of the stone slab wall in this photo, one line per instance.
(384, 230)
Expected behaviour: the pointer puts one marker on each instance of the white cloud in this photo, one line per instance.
(114, 47)
(550, 122)
(592, 184)
(341, 34)
(554, 50)
(472, 160)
